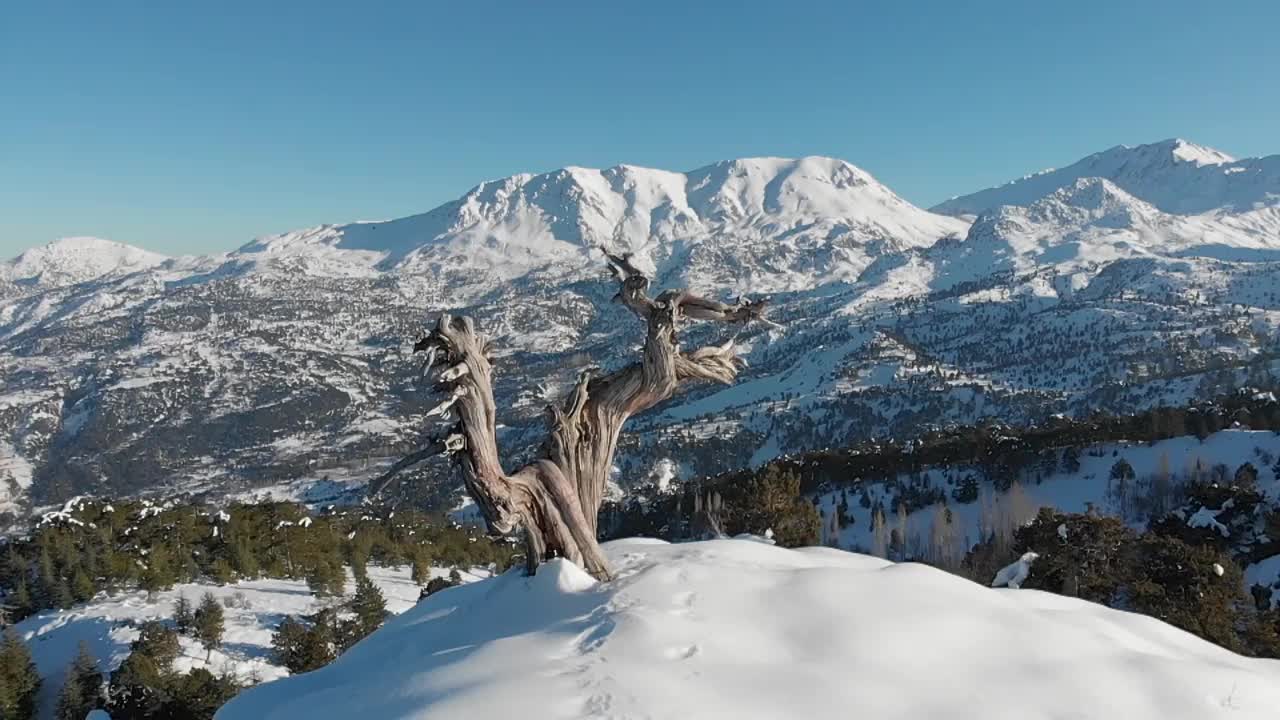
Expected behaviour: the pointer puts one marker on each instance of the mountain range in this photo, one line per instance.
(1136, 276)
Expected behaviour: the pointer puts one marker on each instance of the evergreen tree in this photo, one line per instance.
(1246, 476)
(326, 578)
(46, 578)
(434, 586)
(138, 688)
(19, 679)
(159, 643)
(183, 618)
(198, 695)
(82, 688)
(82, 588)
(208, 623)
(1071, 460)
(22, 599)
(158, 574)
(421, 567)
(369, 606)
(243, 558)
(289, 643)
(319, 647)
(62, 597)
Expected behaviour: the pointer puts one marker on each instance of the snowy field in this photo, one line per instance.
(739, 629)
(110, 623)
(1066, 491)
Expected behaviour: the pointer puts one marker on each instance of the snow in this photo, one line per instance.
(674, 222)
(878, 334)
(1207, 518)
(108, 624)
(1067, 491)
(1175, 175)
(1016, 572)
(16, 469)
(1266, 573)
(737, 629)
(77, 259)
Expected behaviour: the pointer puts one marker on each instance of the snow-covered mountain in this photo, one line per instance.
(1087, 224)
(1175, 175)
(758, 224)
(283, 367)
(741, 629)
(74, 260)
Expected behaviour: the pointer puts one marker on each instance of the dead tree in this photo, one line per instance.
(556, 498)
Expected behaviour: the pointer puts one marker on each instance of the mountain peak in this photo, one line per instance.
(1175, 175)
(804, 219)
(72, 260)
(1092, 193)
(1175, 150)
(1199, 154)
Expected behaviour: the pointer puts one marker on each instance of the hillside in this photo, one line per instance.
(253, 609)
(283, 369)
(742, 629)
(1072, 481)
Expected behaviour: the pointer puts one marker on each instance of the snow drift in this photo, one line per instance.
(739, 629)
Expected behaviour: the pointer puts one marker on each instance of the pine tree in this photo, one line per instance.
(326, 578)
(1071, 460)
(421, 567)
(244, 559)
(62, 596)
(288, 644)
(46, 579)
(19, 679)
(82, 588)
(198, 695)
(159, 643)
(1246, 476)
(320, 645)
(138, 688)
(183, 615)
(158, 574)
(22, 599)
(82, 688)
(369, 606)
(208, 623)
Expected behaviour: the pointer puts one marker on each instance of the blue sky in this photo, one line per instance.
(186, 127)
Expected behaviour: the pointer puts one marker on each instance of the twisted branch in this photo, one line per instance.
(556, 499)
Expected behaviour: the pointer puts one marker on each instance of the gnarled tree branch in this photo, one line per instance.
(555, 499)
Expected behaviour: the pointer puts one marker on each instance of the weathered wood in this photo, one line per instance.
(555, 499)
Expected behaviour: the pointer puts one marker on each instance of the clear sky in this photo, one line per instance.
(190, 127)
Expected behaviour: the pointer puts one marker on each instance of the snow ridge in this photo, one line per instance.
(742, 629)
(1174, 175)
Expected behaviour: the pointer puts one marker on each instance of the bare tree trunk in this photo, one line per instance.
(556, 499)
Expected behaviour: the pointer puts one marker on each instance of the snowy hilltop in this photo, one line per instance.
(739, 629)
(74, 260)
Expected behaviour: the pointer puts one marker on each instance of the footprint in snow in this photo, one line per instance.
(683, 653)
